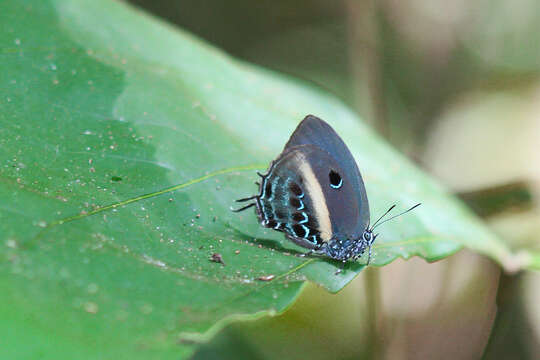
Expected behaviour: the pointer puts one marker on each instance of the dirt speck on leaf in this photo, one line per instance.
(217, 258)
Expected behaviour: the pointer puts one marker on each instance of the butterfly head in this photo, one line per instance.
(365, 241)
(368, 237)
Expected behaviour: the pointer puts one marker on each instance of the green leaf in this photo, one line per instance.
(123, 144)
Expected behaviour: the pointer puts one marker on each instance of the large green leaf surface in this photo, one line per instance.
(123, 144)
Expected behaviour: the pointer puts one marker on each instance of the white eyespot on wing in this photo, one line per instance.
(314, 189)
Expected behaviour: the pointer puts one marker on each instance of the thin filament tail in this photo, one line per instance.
(247, 198)
(243, 208)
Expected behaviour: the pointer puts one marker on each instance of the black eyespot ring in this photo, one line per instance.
(335, 179)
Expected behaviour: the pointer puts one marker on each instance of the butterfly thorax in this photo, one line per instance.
(344, 248)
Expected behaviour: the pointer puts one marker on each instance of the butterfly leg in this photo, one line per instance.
(307, 253)
(317, 250)
(342, 266)
(369, 256)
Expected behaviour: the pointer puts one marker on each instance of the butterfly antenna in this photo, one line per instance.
(383, 215)
(395, 216)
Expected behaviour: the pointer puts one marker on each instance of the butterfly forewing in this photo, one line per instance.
(306, 195)
(316, 132)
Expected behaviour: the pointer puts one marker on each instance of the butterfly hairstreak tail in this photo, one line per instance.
(314, 193)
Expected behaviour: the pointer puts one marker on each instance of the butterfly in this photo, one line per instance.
(314, 193)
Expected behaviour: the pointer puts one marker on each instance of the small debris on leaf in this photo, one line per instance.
(91, 308)
(266, 277)
(237, 252)
(216, 257)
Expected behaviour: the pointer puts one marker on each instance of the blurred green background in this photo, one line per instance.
(455, 86)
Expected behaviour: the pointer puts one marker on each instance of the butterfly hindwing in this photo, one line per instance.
(283, 205)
